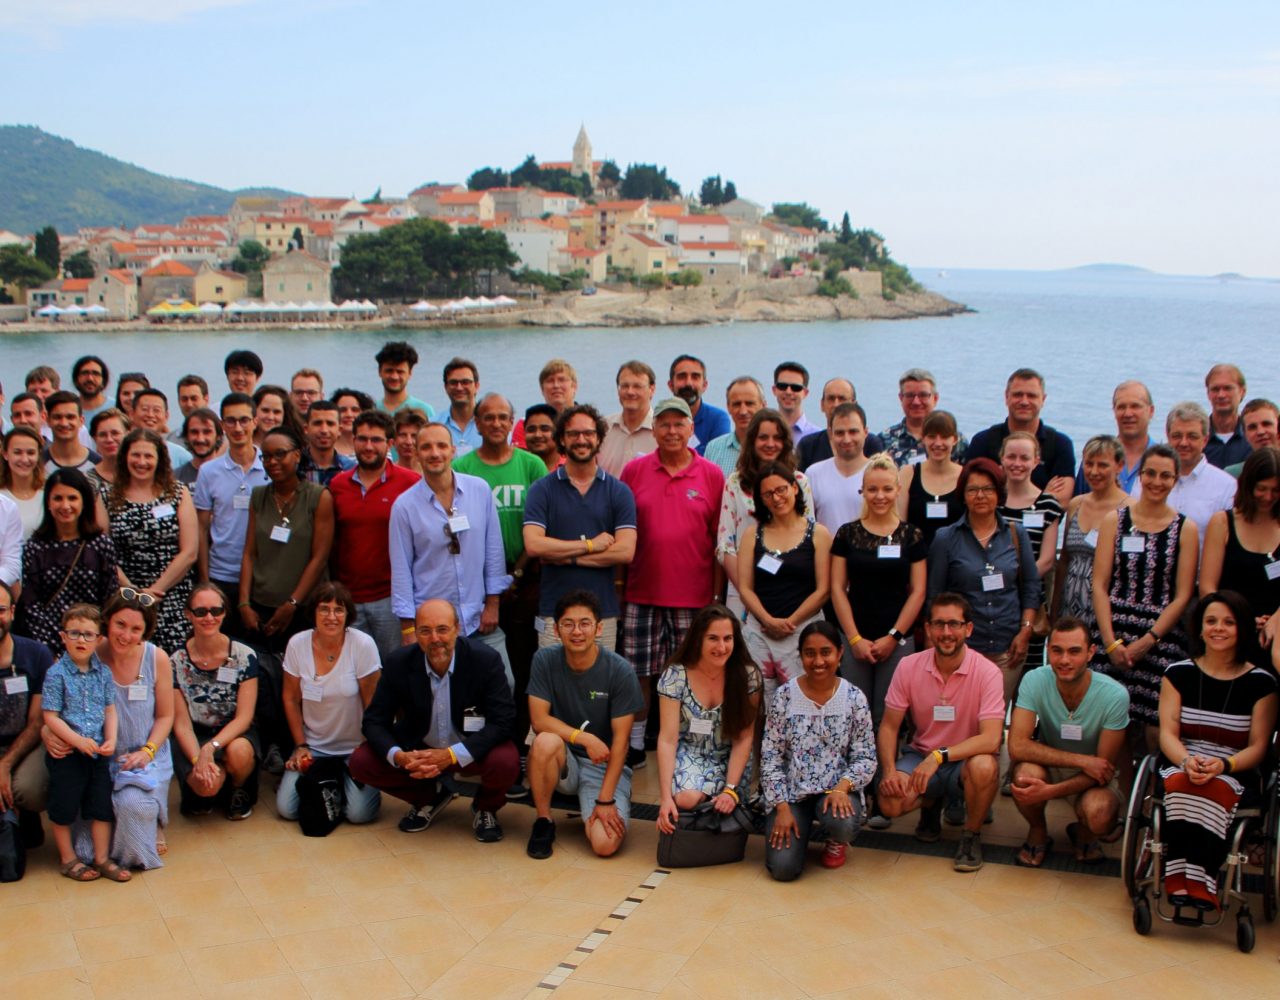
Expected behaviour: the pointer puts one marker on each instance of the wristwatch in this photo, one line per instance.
(902, 639)
(946, 754)
(215, 744)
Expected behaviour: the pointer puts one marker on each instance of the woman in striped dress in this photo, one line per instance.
(1217, 716)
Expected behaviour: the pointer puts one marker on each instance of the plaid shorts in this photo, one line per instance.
(650, 635)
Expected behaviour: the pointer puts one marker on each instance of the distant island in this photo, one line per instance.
(1118, 268)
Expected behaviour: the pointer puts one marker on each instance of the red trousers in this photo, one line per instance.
(498, 771)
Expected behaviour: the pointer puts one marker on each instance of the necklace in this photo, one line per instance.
(283, 508)
(210, 661)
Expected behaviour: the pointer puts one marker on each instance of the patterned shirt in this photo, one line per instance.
(80, 697)
(907, 449)
(210, 701)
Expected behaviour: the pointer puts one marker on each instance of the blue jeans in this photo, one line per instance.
(363, 802)
(584, 779)
(377, 621)
(786, 863)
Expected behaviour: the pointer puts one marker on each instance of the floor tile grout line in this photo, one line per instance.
(566, 967)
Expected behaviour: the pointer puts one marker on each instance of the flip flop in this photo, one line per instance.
(1088, 852)
(1033, 855)
(78, 871)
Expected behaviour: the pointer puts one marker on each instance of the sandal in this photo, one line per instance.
(1033, 855)
(1088, 852)
(162, 846)
(78, 871)
(112, 871)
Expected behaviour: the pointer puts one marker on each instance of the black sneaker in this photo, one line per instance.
(969, 853)
(416, 820)
(929, 827)
(486, 826)
(636, 758)
(541, 838)
(273, 760)
(241, 805)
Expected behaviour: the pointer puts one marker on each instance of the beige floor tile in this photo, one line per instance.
(458, 891)
(679, 900)
(1057, 923)
(522, 950)
(481, 921)
(23, 953)
(600, 886)
(155, 975)
(1040, 973)
(322, 949)
(987, 937)
(960, 984)
(51, 984)
(659, 930)
(1229, 973)
(871, 991)
(101, 903)
(357, 845)
(1116, 956)
(1033, 884)
(419, 933)
(135, 939)
(632, 968)
(226, 964)
(285, 987)
(186, 865)
(743, 980)
(914, 953)
(475, 979)
(208, 930)
(573, 990)
(371, 873)
(188, 898)
(823, 970)
(47, 917)
(423, 969)
(283, 885)
(39, 885)
(274, 857)
(573, 919)
(299, 915)
(366, 905)
(1168, 984)
(378, 980)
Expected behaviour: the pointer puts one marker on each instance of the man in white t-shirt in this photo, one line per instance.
(837, 482)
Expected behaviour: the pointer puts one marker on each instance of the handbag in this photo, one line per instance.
(13, 852)
(705, 837)
(322, 797)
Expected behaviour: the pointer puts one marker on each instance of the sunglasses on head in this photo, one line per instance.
(143, 599)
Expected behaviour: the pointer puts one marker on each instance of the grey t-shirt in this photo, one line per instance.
(590, 699)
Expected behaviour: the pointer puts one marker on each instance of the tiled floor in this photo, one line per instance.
(255, 909)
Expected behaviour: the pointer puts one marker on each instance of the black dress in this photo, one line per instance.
(89, 575)
(918, 500)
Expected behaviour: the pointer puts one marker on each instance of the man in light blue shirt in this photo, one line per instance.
(745, 396)
(462, 385)
(222, 493)
(446, 542)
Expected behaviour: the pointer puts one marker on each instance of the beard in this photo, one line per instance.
(689, 394)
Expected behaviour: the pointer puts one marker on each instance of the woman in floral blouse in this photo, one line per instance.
(819, 749)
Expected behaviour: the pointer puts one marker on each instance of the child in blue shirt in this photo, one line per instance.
(79, 708)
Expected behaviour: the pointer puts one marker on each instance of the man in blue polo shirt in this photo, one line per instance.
(581, 523)
(688, 380)
(222, 500)
(1024, 396)
(24, 782)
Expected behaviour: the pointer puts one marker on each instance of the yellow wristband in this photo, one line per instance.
(407, 630)
(730, 791)
(573, 737)
(590, 546)
(854, 640)
(937, 755)
(1231, 764)
(1114, 646)
(452, 756)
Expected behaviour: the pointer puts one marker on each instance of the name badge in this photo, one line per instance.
(239, 502)
(1072, 731)
(1091, 539)
(693, 441)
(541, 626)
(162, 510)
(458, 523)
(993, 581)
(312, 691)
(889, 552)
(769, 563)
(472, 723)
(944, 713)
(1033, 519)
(935, 510)
(1132, 543)
(1272, 569)
(701, 727)
(916, 459)
(16, 685)
(280, 533)
(137, 692)
(227, 675)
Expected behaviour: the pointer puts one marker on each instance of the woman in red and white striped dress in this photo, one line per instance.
(1217, 716)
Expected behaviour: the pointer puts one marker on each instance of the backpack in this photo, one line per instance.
(13, 853)
(322, 798)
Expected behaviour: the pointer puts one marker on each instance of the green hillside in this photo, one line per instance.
(48, 180)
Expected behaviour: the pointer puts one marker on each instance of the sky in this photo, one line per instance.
(982, 134)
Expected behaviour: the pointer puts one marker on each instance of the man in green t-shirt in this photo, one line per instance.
(1083, 716)
(510, 472)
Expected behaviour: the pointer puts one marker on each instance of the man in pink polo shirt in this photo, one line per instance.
(956, 700)
(672, 575)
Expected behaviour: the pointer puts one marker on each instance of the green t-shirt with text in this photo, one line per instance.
(510, 483)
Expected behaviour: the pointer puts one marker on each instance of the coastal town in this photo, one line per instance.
(596, 259)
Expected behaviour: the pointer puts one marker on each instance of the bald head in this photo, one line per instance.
(436, 631)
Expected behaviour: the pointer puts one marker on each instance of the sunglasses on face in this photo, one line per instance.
(216, 611)
(789, 386)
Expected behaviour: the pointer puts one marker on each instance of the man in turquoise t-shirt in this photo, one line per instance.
(1083, 717)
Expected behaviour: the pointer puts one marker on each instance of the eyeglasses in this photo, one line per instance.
(216, 611)
(129, 594)
(455, 545)
(75, 635)
(789, 386)
(948, 625)
(236, 421)
(580, 434)
(458, 383)
(582, 625)
(915, 395)
(776, 494)
(308, 393)
(979, 491)
(277, 456)
(338, 612)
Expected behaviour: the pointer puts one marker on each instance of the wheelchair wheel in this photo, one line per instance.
(1142, 916)
(1244, 934)
(1135, 857)
(1271, 856)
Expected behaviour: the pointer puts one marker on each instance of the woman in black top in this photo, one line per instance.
(929, 497)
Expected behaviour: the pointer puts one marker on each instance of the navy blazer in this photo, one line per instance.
(400, 712)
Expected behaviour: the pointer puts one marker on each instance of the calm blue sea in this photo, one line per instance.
(1085, 330)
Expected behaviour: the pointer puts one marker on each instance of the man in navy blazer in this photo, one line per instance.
(442, 705)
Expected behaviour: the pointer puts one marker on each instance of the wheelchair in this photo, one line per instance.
(1143, 853)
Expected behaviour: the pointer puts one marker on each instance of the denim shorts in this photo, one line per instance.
(945, 783)
(583, 778)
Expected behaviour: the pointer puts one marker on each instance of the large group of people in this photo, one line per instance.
(360, 596)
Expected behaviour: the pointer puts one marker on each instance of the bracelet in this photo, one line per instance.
(937, 755)
(1116, 644)
(149, 751)
(453, 757)
(855, 639)
(407, 630)
(833, 791)
(150, 746)
(605, 802)
(590, 546)
(729, 791)
(1152, 632)
(573, 737)
(242, 604)
(195, 758)
(1231, 764)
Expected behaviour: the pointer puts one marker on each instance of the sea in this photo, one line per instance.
(1085, 329)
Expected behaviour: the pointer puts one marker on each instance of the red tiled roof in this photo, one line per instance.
(620, 206)
(169, 269)
(76, 285)
(462, 198)
(121, 274)
(644, 240)
(322, 229)
(120, 247)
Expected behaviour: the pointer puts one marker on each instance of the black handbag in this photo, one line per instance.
(13, 852)
(322, 797)
(704, 837)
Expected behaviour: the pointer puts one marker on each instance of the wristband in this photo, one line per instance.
(1152, 632)
(937, 755)
(1116, 644)
(726, 790)
(453, 757)
(573, 737)
(1231, 764)
(605, 802)
(242, 604)
(407, 630)
(590, 546)
(194, 759)
(855, 639)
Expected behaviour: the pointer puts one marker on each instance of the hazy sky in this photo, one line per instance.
(976, 134)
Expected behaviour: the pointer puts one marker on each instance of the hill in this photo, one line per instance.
(48, 180)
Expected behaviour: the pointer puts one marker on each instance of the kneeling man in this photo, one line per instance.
(1083, 716)
(956, 699)
(442, 705)
(582, 701)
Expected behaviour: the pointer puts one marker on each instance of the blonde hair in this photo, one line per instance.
(882, 460)
(1021, 436)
